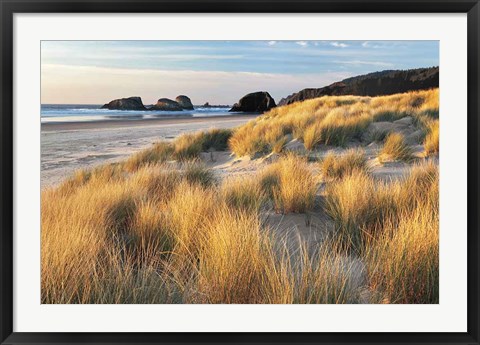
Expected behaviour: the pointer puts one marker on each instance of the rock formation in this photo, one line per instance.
(130, 103)
(184, 102)
(208, 105)
(255, 102)
(166, 104)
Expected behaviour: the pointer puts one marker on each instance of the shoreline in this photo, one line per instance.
(123, 123)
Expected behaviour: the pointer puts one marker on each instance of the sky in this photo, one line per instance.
(218, 72)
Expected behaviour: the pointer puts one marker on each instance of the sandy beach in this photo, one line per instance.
(68, 146)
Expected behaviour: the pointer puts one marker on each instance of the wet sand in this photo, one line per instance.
(140, 122)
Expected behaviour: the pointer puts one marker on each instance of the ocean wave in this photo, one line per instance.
(67, 111)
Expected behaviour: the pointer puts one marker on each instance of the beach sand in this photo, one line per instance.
(68, 146)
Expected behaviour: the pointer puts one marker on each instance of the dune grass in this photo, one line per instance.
(80, 234)
(195, 171)
(432, 139)
(357, 203)
(103, 173)
(360, 205)
(189, 145)
(395, 148)
(186, 147)
(216, 139)
(329, 276)
(236, 248)
(291, 183)
(336, 166)
(403, 261)
(312, 136)
(243, 193)
(394, 228)
(261, 138)
(158, 153)
(329, 120)
(157, 236)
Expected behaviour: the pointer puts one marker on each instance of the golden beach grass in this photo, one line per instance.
(120, 243)
(163, 228)
(291, 183)
(432, 139)
(330, 120)
(336, 166)
(395, 148)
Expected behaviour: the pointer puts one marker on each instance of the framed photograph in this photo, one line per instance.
(239, 172)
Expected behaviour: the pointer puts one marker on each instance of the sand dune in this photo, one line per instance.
(331, 200)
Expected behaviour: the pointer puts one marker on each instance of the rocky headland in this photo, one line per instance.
(373, 84)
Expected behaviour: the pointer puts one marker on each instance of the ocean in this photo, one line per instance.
(92, 112)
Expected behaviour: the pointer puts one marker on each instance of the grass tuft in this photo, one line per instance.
(337, 166)
(160, 152)
(188, 146)
(395, 148)
(243, 193)
(432, 140)
(312, 136)
(291, 184)
(197, 172)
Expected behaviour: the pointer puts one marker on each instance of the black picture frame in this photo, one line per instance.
(9, 8)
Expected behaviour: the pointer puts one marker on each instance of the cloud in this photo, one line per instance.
(48, 56)
(98, 85)
(362, 62)
(302, 43)
(339, 45)
(368, 44)
(198, 57)
(272, 43)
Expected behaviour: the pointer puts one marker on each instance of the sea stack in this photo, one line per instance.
(166, 104)
(130, 103)
(257, 102)
(184, 102)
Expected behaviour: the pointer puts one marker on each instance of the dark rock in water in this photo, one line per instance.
(373, 84)
(255, 102)
(184, 102)
(208, 105)
(166, 104)
(130, 103)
